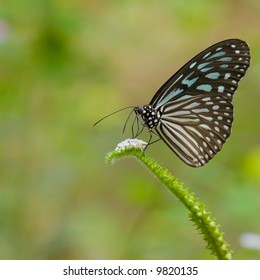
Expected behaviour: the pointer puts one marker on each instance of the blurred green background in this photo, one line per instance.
(64, 65)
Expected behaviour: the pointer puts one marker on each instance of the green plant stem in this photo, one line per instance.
(197, 213)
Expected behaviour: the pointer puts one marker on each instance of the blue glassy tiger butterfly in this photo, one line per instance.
(192, 112)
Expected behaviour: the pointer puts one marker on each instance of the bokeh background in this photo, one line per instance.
(64, 65)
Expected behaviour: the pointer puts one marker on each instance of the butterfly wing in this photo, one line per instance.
(196, 128)
(216, 70)
(195, 104)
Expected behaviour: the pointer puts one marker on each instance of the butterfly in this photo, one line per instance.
(192, 112)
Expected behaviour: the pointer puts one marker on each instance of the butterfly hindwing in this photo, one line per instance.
(196, 128)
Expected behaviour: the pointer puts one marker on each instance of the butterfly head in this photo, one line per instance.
(149, 115)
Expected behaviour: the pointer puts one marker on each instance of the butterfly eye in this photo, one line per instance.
(192, 112)
(139, 110)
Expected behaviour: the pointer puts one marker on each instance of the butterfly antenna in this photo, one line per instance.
(127, 121)
(113, 114)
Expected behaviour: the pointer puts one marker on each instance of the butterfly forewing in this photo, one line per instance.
(193, 112)
(216, 70)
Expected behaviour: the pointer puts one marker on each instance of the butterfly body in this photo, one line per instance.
(193, 112)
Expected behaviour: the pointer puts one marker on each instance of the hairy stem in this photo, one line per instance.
(197, 212)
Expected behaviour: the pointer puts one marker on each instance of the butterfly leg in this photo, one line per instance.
(139, 130)
(150, 142)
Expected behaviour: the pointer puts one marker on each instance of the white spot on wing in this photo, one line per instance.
(204, 126)
(221, 89)
(216, 55)
(227, 75)
(226, 127)
(193, 64)
(223, 66)
(202, 65)
(205, 87)
(213, 76)
(200, 110)
(206, 55)
(188, 82)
